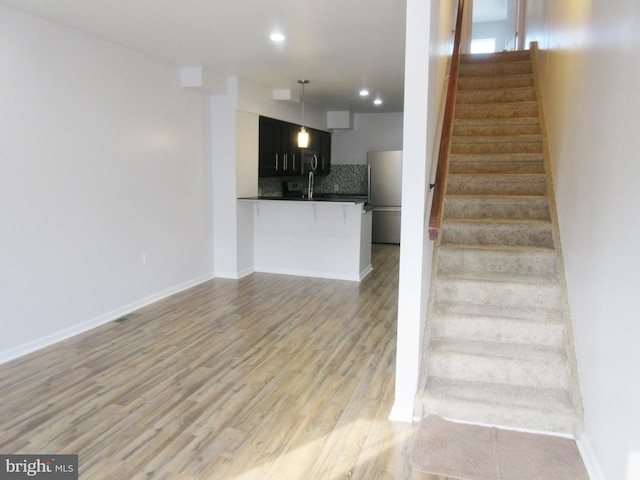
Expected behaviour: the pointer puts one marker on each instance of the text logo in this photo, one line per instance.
(49, 467)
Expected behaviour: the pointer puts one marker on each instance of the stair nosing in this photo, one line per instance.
(548, 321)
(485, 139)
(560, 397)
(501, 312)
(503, 176)
(498, 221)
(498, 278)
(498, 248)
(497, 350)
(496, 105)
(506, 198)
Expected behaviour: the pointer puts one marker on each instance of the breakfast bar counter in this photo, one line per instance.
(326, 237)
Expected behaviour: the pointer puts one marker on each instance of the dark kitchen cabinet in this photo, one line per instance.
(318, 156)
(279, 154)
(324, 153)
(268, 161)
(277, 148)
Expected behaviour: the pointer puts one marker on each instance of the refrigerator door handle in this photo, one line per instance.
(369, 184)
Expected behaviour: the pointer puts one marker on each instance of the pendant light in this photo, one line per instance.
(303, 135)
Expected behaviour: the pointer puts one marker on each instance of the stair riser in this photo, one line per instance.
(471, 261)
(498, 57)
(498, 414)
(492, 82)
(495, 69)
(501, 111)
(496, 209)
(477, 164)
(499, 370)
(461, 130)
(498, 294)
(462, 147)
(507, 95)
(513, 235)
(487, 186)
(498, 330)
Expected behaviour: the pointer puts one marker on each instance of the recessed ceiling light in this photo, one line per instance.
(277, 37)
(377, 101)
(364, 92)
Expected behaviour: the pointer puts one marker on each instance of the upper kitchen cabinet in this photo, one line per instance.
(318, 156)
(279, 153)
(324, 153)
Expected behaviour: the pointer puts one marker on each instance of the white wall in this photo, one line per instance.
(495, 30)
(429, 38)
(371, 132)
(590, 65)
(101, 158)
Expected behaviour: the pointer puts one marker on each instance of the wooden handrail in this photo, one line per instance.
(447, 127)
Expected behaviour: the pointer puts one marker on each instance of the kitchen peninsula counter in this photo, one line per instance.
(325, 236)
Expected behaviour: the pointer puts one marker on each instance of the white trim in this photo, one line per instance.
(401, 413)
(236, 275)
(589, 458)
(310, 273)
(366, 271)
(55, 337)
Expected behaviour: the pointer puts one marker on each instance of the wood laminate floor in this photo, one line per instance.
(267, 377)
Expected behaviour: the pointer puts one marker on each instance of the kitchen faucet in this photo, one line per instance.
(310, 187)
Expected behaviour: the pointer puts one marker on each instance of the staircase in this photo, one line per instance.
(498, 346)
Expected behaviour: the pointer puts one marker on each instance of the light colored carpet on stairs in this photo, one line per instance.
(474, 452)
(498, 343)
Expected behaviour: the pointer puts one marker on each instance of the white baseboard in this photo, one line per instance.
(589, 458)
(309, 273)
(401, 413)
(237, 275)
(366, 271)
(55, 337)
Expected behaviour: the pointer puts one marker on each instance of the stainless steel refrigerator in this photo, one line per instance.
(385, 195)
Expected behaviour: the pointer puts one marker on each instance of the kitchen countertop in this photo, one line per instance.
(337, 198)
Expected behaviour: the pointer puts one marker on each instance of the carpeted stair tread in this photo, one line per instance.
(499, 278)
(540, 409)
(503, 183)
(498, 290)
(468, 69)
(479, 82)
(497, 164)
(525, 106)
(497, 57)
(495, 95)
(534, 233)
(511, 351)
(518, 365)
(496, 110)
(495, 129)
(544, 398)
(497, 157)
(523, 120)
(540, 313)
(547, 331)
(496, 259)
(496, 207)
(497, 139)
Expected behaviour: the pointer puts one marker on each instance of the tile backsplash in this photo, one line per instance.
(347, 179)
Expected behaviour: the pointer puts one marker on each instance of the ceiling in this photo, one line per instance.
(339, 46)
